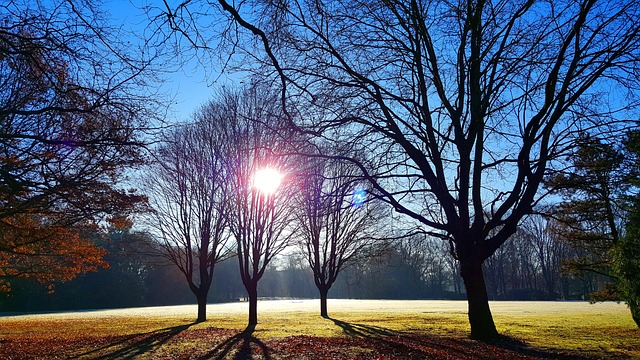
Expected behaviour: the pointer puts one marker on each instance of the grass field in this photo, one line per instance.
(357, 329)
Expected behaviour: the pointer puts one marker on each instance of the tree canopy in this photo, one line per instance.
(336, 224)
(599, 213)
(188, 193)
(463, 105)
(260, 217)
(72, 114)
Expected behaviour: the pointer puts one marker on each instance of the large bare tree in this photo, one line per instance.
(468, 102)
(187, 188)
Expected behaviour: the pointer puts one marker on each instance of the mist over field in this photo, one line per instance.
(285, 308)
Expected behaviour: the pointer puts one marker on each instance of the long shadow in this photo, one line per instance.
(365, 331)
(422, 346)
(245, 345)
(521, 347)
(133, 345)
(384, 337)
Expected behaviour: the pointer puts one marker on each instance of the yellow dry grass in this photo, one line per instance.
(604, 328)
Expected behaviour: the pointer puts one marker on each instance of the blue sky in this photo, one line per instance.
(190, 85)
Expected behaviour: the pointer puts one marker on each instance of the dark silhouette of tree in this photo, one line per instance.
(599, 197)
(71, 119)
(259, 217)
(188, 192)
(593, 200)
(121, 284)
(336, 222)
(626, 262)
(627, 253)
(463, 105)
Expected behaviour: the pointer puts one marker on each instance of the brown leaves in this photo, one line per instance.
(182, 342)
(31, 247)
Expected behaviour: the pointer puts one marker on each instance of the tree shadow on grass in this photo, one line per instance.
(243, 346)
(133, 345)
(509, 343)
(365, 331)
(420, 346)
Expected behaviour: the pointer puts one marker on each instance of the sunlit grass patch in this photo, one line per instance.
(600, 330)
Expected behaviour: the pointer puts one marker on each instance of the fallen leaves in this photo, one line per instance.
(182, 342)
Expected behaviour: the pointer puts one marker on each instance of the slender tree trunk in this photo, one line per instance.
(551, 289)
(480, 318)
(202, 306)
(252, 291)
(324, 291)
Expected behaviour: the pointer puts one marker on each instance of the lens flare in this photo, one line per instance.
(358, 197)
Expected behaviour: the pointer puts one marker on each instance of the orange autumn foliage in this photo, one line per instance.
(30, 247)
(67, 136)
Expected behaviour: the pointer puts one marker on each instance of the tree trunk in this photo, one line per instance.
(551, 290)
(635, 311)
(480, 319)
(252, 291)
(202, 306)
(323, 302)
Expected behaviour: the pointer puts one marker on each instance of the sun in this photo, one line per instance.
(267, 180)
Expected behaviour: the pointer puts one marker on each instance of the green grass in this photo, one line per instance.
(600, 329)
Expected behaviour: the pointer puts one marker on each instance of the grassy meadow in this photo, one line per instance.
(293, 329)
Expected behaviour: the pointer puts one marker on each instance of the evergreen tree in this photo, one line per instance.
(627, 253)
(600, 197)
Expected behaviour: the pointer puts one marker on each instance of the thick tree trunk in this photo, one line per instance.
(252, 291)
(323, 302)
(635, 312)
(480, 318)
(202, 306)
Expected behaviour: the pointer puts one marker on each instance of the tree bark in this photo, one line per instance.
(480, 318)
(202, 306)
(323, 302)
(635, 312)
(252, 291)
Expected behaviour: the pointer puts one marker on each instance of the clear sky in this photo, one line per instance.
(188, 85)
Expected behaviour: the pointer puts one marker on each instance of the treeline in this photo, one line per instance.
(532, 266)
(529, 267)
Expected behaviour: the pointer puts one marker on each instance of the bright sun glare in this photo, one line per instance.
(267, 180)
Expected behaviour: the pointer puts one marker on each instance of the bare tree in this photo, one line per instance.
(187, 188)
(336, 222)
(549, 251)
(465, 104)
(74, 105)
(261, 209)
(72, 110)
(425, 257)
(512, 271)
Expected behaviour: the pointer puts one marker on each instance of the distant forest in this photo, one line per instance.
(530, 267)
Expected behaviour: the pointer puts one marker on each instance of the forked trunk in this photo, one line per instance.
(480, 318)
